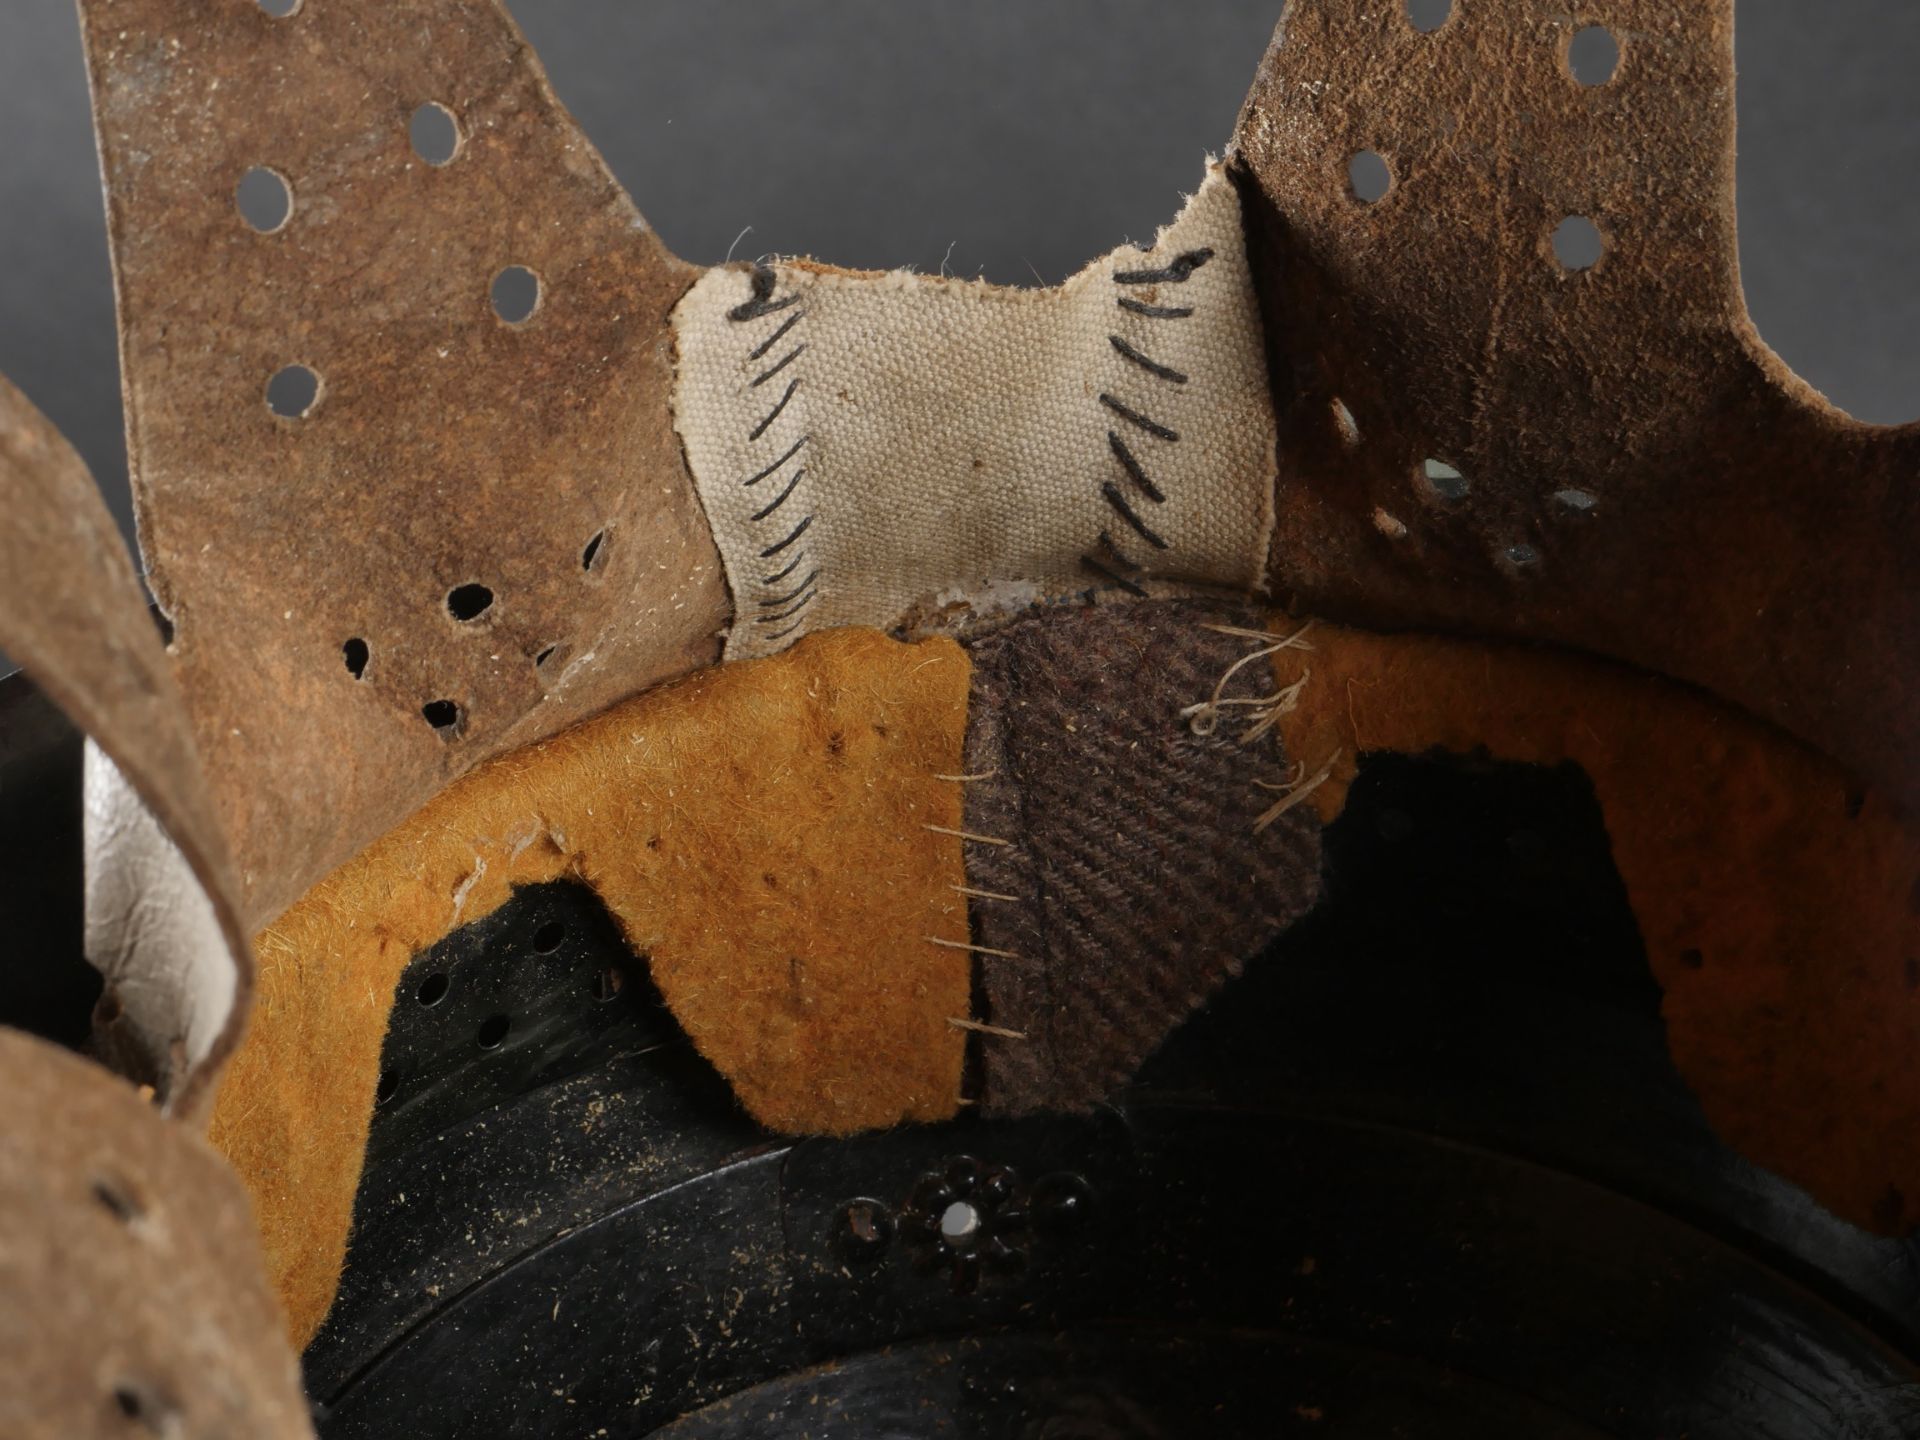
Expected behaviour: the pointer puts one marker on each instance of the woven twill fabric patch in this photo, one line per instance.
(1121, 878)
(865, 442)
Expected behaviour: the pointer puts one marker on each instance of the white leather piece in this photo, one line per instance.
(863, 443)
(150, 928)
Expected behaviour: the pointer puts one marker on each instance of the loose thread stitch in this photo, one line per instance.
(981, 1028)
(966, 835)
(1203, 718)
(983, 894)
(1294, 792)
(975, 949)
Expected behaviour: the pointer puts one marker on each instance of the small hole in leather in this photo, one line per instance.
(444, 716)
(119, 1198)
(293, 392)
(469, 602)
(144, 1407)
(516, 294)
(1344, 424)
(1577, 243)
(1442, 481)
(1593, 55)
(434, 133)
(264, 199)
(1368, 176)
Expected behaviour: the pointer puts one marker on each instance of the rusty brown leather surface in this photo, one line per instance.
(1121, 879)
(132, 1300)
(72, 614)
(1741, 534)
(447, 448)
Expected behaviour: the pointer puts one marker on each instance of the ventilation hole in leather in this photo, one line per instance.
(594, 551)
(1388, 525)
(1428, 15)
(118, 1199)
(434, 132)
(1442, 481)
(469, 602)
(547, 938)
(433, 989)
(493, 1030)
(444, 716)
(1521, 556)
(1576, 499)
(264, 198)
(355, 653)
(388, 1087)
(139, 1403)
(1344, 423)
(281, 9)
(1593, 55)
(607, 982)
(1577, 243)
(293, 392)
(1368, 176)
(516, 294)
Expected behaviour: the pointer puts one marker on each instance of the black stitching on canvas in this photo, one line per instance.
(774, 414)
(1146, 363)
(1154, 312)
(763, 282)
(791, 566)
(787, 614)
(792, 451)
(761, 302)
(1134, 469)
(1178, 273)
(793, 594)
(793, 535)
(780, 499)
(1126, 512)
(773, 370)
(774, 339)
(782, 634)
(1134, 417)
(1118, 579)
(1117, 555)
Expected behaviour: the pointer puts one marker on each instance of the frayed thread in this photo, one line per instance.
(1204, 717)
(1294, 791)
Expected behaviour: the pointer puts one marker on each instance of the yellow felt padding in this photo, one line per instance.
(1775, 896)
(760, 833)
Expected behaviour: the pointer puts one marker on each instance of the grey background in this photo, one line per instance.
(987, 136)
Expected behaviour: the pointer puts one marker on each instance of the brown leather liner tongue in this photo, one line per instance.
(72, 614)
(134, 1302)
(1619, 462)
(477, 528)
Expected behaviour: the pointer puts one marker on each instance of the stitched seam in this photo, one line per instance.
(792, 606)
(1107, 560)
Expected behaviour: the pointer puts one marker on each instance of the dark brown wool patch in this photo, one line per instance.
(1139, 884)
